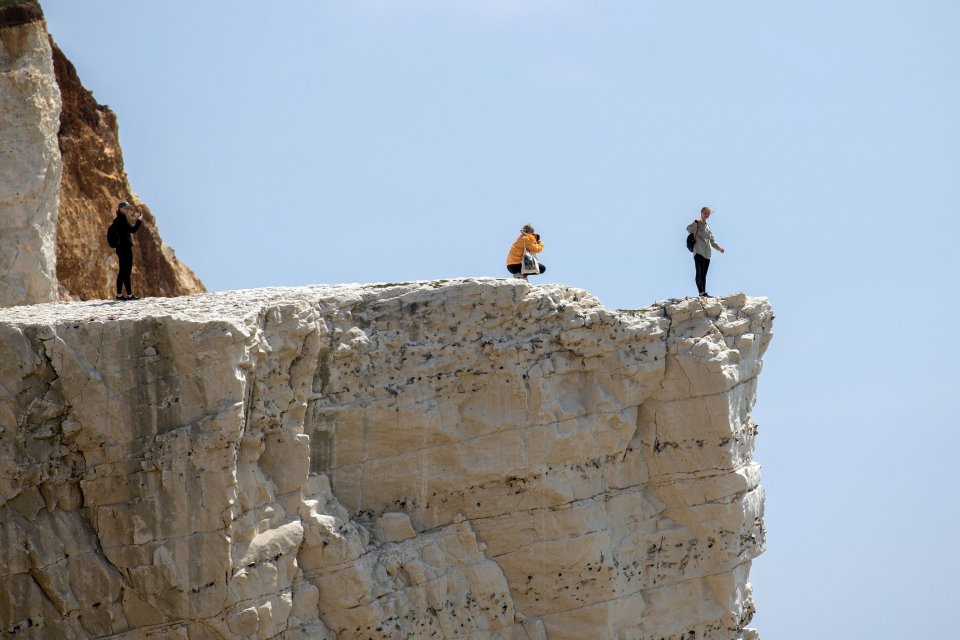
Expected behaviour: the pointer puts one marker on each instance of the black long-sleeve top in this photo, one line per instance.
(124, 230)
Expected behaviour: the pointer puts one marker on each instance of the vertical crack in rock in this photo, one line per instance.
(474, 458)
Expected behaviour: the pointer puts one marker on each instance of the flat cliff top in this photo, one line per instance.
(205, 307)
(243, 304)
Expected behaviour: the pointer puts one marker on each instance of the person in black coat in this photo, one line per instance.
(122, 230)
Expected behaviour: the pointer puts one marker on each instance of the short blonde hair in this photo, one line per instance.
(706, 210)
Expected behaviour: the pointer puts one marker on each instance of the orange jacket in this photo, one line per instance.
(526, 241)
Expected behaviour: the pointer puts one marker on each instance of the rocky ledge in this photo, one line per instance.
(465, 459)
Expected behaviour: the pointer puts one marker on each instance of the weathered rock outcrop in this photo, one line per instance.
(29, 157)
(467, 459)
(61, 176)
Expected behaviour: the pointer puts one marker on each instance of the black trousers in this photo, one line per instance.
(515, 268)
(702, 264)
(125, 254)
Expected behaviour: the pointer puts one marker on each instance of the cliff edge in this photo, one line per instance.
(458, 459)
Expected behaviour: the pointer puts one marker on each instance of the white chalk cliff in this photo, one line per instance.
(473, 459)
(30, 165)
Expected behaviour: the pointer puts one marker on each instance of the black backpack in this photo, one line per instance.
(691, 242)
(113, 236)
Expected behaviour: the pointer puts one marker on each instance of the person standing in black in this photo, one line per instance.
(123, 230)
(701, 250)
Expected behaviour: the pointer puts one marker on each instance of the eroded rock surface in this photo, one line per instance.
(29, 157)
(467, 459)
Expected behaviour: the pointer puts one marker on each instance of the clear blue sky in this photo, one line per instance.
(375, 140)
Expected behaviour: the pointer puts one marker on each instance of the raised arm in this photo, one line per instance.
(535, 245)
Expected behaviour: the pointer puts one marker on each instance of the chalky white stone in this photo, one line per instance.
(459, 459)
(30, 165)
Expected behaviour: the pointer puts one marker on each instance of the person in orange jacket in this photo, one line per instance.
(529, 240)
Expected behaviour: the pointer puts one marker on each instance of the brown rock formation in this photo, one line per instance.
(94, 180)
(14, 14)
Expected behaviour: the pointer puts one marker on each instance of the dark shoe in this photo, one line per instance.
(704, 295)
(120, 296)
(133, 297)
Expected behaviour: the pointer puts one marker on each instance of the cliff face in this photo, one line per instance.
(61, 177)
(29, 158)
(460, 459)
(94, 181)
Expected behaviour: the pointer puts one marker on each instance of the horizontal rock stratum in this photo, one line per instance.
(473, 459)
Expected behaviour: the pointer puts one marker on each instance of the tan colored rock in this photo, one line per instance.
(394, 527)
(475, 458)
